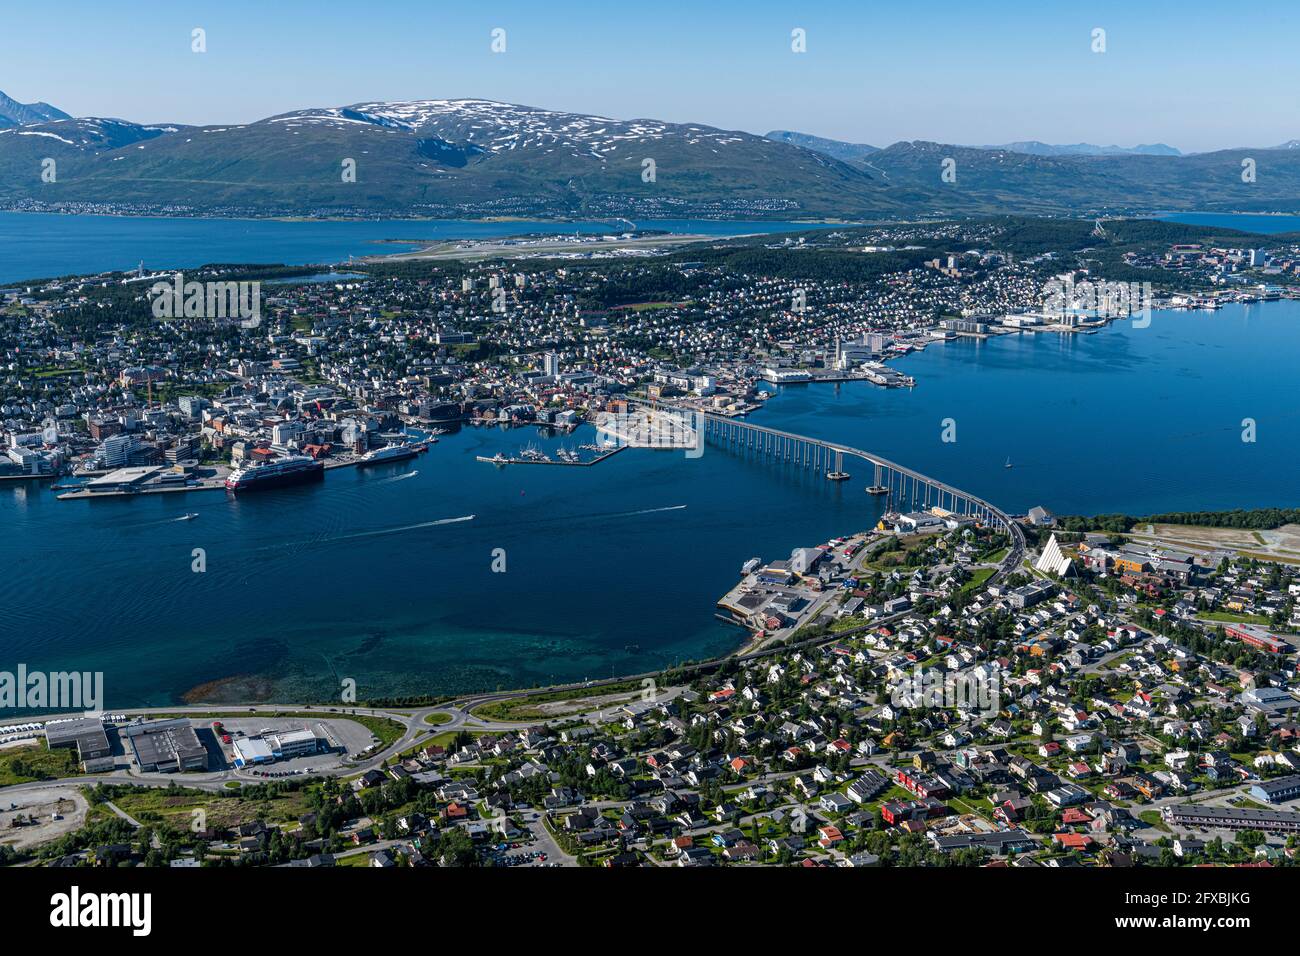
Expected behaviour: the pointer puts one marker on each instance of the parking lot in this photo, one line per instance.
(334, 733)
(520, 853)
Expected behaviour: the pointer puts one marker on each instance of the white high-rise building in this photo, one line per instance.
(115, 451)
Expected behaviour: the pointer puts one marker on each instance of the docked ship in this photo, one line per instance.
(292, 470)
(396, 452)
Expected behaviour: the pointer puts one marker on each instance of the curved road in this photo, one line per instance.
(418, 732)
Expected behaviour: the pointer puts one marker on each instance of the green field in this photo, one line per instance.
(1228, 617)
(176, 806)
(1152, 818)
(978, 577)
(24, 764)
(526, 708)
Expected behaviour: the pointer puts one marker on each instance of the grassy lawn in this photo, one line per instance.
(445, 739)
(887, 560)
(53, 372)
(977, 578)
(847, 623)
(527, 709)
(1152, 819)
(175, 807)
(1269, 556)
(964, 807)
(647, 306)
(437, 718)
(1228, 617)
(24, 764)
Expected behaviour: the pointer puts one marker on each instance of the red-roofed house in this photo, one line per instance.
(1073, 841)
(830, 836)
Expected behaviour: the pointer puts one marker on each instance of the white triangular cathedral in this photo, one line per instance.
(1052, 560)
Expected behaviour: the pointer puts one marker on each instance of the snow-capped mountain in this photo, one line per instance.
(90, 133)
(475, 157)
(496, 127)
(445, 157)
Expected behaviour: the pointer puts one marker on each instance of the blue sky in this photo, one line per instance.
(1194, 74)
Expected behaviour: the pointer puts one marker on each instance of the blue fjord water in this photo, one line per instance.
(616, 568)
(42, 245)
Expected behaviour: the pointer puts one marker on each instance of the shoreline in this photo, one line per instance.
(1158, 215)
(393, 217)
(745, 644)
(609, 226)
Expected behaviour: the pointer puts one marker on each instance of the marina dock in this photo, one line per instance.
(502, 461)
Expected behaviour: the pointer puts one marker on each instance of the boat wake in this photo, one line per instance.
(398, 530)
(643, 511)
(583, 518)
(157, 521)
(298, 547)
(402, 477)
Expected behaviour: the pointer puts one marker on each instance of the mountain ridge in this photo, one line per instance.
(849, 151)
(441, 158)
(1035, 147)
(13, 113)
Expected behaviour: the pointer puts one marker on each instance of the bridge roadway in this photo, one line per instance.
(904, 487)
(810, 452)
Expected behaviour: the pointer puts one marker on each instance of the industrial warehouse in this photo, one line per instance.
(85, 735)
(273, 745)
(166, 746)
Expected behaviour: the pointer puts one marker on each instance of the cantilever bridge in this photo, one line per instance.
(906, 489)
